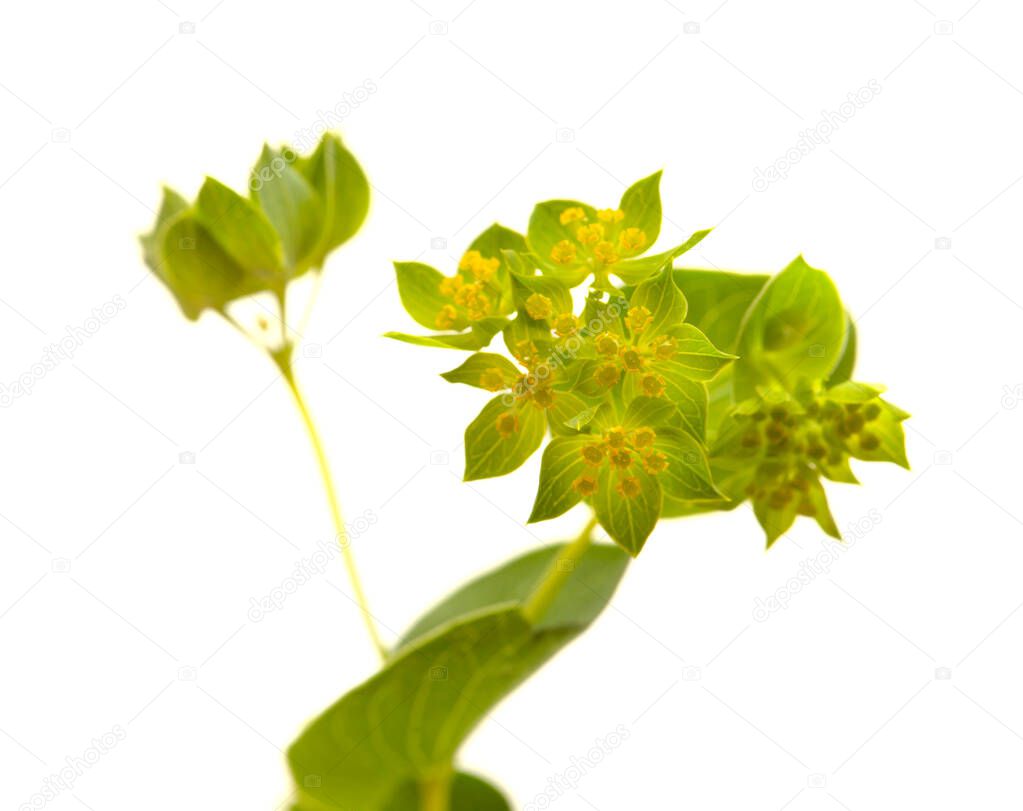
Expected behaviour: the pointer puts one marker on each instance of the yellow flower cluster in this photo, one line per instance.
(602, 239)
(619, 356)
(621, 449)
(469, 290)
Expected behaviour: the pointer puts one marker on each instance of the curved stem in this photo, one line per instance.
(283, 361)
(557, 573)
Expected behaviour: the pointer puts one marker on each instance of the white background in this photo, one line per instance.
(126, 576)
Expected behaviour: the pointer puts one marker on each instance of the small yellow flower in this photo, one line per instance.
(607, 375)
(607, 344)
(643, 437)
(653, 385)
(563, 252)
(638, 319)
(492, 379)
(468, 260)
(629, 487)
(593, 454)
(611, 215)
(543, 397)
(573, 214)
(590, 234)
(507, 424)
(485, 269)
(666, 347)
(616, 438)
(620, 458)
(450, 285)
(446, 317)
(655, 463)
(632, 360)
(632, 239)
(585, 485)
(605, 252)
(525, 352)
(538, 306)
(566, 324)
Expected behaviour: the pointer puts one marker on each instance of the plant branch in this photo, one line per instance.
(283, 361)
(557, 574)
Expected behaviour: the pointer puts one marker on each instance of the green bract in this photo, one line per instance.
(225, 246)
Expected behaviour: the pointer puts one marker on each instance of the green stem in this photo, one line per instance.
(283, 361)
(435, 792)
(557, 574)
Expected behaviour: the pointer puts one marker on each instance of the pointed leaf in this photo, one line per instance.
(641, 205)
(634, 271)
(688, 475)
(664, 301)
(342, 188)
(242, 230)
(628, 519)
(696, 354)
(419, 289)
(562, 464)
(485, 370)
(292, 206)
(493, 449)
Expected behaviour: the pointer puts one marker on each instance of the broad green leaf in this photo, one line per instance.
(583, 597)
(634, 271)
(197, 270)
(493, 449)
(718, 300)
(641, 205)
(562, 464)
(795, 330)
(242, 230)
(688, 475)
(408, 721)
(343, 189)
(664, 301)
(419, 289)
(293, 207)
(628, 519)
(171, 205)
(695, 353)
(483, 370)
